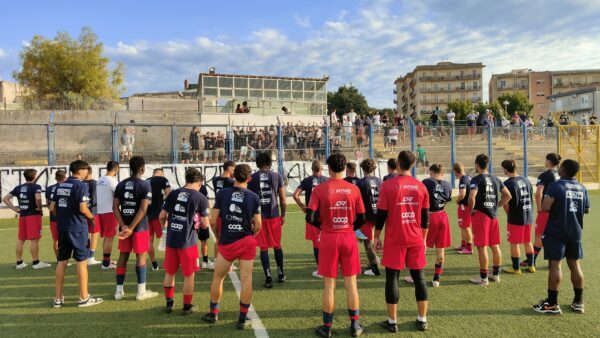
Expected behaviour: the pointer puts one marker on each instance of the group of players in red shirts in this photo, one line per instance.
(249, 212)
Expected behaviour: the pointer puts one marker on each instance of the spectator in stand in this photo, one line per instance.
(376, 122)
(393, 135)
(471, 124)
(542, 128)
(360, 136)
(285, 111)
(505, 127)
(420, 130)
(185, 151)
(245, 107)
(352, 116)
(220, 146)
(348, 132)
(195, 144)
(238, 109)
(435, 121)
(385, 119)
(451, 116)
(333, 118)
(386, 137)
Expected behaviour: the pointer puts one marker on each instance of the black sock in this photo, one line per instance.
(515, 262)
(279, 260)
(155, 265)
(186, 307)
(36, 262)
(106, 259)
(316, 253)
(170, 302)
(536, 252)
(578, 295)
(264, 260)
(552, 297)
(495, 270)
(530, 259)
(205, 259)
(20, 262)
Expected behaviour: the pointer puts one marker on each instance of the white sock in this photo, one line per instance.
(391, 321)
(120, 288)
(141, 288)
(422, 319)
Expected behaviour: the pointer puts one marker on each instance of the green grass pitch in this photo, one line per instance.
(457, 308)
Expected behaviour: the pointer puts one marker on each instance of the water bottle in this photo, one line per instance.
(162, 245)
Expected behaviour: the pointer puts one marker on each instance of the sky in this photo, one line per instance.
(364, 43)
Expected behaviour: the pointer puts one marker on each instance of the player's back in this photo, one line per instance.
(338, 202)
(439, 192)
(68, 196)
(520, 206)
(220, 182)
(309, 183)
(369, 187)
(158, 184)
(488, 193)
(25, 194)
(566, 214)
(185, 207)
(131, 192)
(237, 207)
(105, 190)
(266, 184)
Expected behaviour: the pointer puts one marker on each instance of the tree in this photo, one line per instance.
(68, 70)
(494, 107)
(517, 101)
(345, 98)
(461, 108)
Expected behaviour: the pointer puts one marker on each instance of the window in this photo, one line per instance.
(436, 99)
(462, 85)
(462, 73)
(475, 85)
(448, 75)
(502, 84)
(475, 98)
(584, 99)
(540, 81)
(449, 86)
(435, 87)
(449, 97)
(541, 94)
(462, 97)
(474, 73)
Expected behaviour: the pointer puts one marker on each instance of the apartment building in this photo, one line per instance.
(431, 87)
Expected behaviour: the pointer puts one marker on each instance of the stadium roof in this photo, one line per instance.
(267, 77)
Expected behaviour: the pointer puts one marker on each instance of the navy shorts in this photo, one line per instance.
(555, 249)
(203, 234)
(73, 244)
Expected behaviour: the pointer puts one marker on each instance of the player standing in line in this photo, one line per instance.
(463, 211)
(341, 211)
(130, 204)
(60, 176)
(268, 185)
(484, 204)
(392, 168)
(351, 173)
(369, 187)
(161, 188)
(29, 197)
(94, 227)
(307, 185)
(403, 207)
(438, 236)
(543, 181)
(187, 211)
(70, 205)
(519, 211)
(566, 201)
(239, 210)
(105, 190)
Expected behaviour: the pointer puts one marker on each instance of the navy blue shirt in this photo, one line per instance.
(266, 184)
(547, 177)
(93, 202)
(308, 184)
(464, 183)
(68, 196)
(351, 179)
(520, 206)
(25, 194)
(221, 182)
(49, 196)
(237, 208)
(565, 221)
(488, 191)
(440, 193)
(131, 192)
(204, 191)
(158, 184)
(389, 176)
(185, 208)
(369, 187)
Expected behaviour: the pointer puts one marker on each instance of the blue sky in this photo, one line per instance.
(366, 43)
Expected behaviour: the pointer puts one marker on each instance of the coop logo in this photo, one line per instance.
(236, 227)
(338, 220)
(489, 204)
(265, 200)
(128, 212)
(408, 214)
(176, 226)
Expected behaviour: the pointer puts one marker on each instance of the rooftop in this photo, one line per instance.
(324, 78)
(575, 92)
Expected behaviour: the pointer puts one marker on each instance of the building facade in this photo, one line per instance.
(538, 86)
(10, 93)
(580, 103)
(431, 87)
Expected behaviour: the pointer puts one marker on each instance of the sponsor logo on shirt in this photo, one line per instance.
(410, 187)
(176, 227)
(266, 200)
(62, 203)
(179, 208)
(574, 194)
(237, 196)
(573, 206)
(62, 192)
(129, 186)
(340, 220)
(182, 197)
(235, 208)
(236, 227)
(233, 218)
(128, 212)
(343, 191)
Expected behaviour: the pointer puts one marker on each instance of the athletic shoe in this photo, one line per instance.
(409, 279)
(494, 278)
(369, 272)
(168, 309)
(93, 261)
(58, 303)
(146, 295)
(465, 251)
(210, 318)
(268, 283)
(232, 268)
(41, 265)
(282, 278)
(90, 301)
(119, 295)
(21, 266)
(393, 328)
(523, 264)
(421, 326)
(479, 280)
(323, 331)
(356, 331)
(511, 270)
(110, 266)
(578, 307)
(435, 283)
(530, 269)
(316, 274)
(458, 248)
(154, 269)
(241, 325)
(360, 235)
(208, 265)
(189, 311)
(544, 307)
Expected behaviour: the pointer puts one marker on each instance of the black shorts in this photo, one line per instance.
(73, 244)
(185, 156)
(203, 234)
(556, 249)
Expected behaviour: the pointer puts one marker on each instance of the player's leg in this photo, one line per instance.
(496, 262)
(34, 249)
(140, 268)
(204, 252)
(483, 264)
(81, 253)
(275, 243)
(577, 281)
(352, 302)
(188, 293)
(169, 289)
(266, 265)
(121, 270)
(328, 307)
(59, 281)
(418, 277)
(151, 252)
(19, 253)
(93, 244)
(82, 279)
(216, 288)
(554, 279)
(107, 246)
(246, 267)
(439, 266)
(391, 298)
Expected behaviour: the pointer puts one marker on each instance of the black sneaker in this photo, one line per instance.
(323, 331)
(168, 309)
(193, 308)
(268, 283)
(393, 328)
(544, 307)
(210, 318)
(241, 325)
(421, 326)
(578, 307)
(282, 278)
(90, 301)
(58, 303)
(356, 331)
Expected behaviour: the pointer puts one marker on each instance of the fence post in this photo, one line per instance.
(452, 153)
(327, 141)
(597, 153)
(115, 143)
(490, 150)
(51, 143)
(579, 175)
(229, 142)
(174, 148)
(280, 149)
(525, 158)
(413, 141)
(371, 149)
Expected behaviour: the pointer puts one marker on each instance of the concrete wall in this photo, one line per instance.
(155, 103)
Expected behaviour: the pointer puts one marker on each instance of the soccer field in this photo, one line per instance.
(457, 308)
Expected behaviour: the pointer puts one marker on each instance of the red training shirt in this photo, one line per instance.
(338, 202)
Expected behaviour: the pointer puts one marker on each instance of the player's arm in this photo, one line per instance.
(117, 212)
(282, 204)
(547, 203)
(506, 197)
(85, 211)
(214, 215)
(162, 217)
(140, 214)
(424, 222)
(472, 195)
(296, 196)
(257, 223)
(38, 201)
(462, 192)
(312, 218)
(539, 196)
(52, 208)
(8, 201)
(167, 191)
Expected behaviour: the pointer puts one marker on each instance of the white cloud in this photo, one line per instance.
(302, 21)
(2, 53)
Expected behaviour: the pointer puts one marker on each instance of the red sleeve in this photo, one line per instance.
(360, 206)
(382, 202)
(425, 204)
(313, 204)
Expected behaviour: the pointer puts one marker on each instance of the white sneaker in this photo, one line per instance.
(409, 279)
(435, 283)
(93, 261)
(41, 265)
(316, 274)
(90, 301)
(146, 295)
(119, 295)
(369, 272)
(232, 268)
(21, 266)
(211, 266)
(479, 280)
(494, 278)
(110, 266)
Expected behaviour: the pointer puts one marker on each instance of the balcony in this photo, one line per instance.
(412, 82)
(404, 87)
(395, 101)
(412, 93)
(445, 89)
(439, 101)
(395, 92)
(450, 78)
